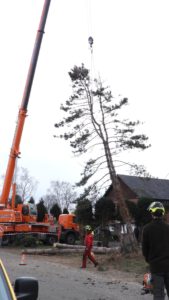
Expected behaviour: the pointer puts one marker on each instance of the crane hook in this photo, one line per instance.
(90, 40)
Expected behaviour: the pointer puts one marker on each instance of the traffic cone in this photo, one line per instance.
(23, 260)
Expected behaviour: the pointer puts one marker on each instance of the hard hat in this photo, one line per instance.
(156, 209)
(88, 227)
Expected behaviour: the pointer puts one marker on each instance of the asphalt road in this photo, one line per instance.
(58, 282)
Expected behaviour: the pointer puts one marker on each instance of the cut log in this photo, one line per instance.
(77, 249)
(67, 246)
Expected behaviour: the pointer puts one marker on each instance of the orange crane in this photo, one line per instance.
(21, 219)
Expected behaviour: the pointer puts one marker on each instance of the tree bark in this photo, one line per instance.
(63, 248)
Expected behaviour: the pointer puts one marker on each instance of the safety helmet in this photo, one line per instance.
(156, 209)
(88, 228)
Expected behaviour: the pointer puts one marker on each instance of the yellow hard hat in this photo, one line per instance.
(88, 228)
(156, 208)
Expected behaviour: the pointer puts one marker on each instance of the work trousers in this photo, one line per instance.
(88, 254)
(160, 281)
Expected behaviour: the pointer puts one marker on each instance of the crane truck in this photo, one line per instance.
(21, 219)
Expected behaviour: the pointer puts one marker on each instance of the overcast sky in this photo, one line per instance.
(131, 54)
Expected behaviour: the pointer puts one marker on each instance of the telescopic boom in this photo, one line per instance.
(14, 153)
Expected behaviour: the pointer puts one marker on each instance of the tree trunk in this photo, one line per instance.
(128, 241)
(64, 248)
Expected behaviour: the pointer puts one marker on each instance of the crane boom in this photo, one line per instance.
(14, 153)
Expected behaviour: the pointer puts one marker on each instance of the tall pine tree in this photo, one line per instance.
(94, 126)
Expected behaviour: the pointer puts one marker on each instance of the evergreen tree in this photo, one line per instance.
(84, 213)
(93, 122)
(31, 200)
(55, 211)
(143, 216)
(41, 210)
(18, 200)
(65, 210)
(104, 211)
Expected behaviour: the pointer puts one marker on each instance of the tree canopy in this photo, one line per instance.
(93, 124)
(60, 192)
(55, 211)
(41, 210)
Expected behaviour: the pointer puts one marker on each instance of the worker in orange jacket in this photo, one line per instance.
(88, 241)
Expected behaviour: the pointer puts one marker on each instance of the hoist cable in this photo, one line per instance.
(89, 16)
(90, 40)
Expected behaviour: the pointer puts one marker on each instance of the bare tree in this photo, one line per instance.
(60, 192)
(50, 199)
(26, 184)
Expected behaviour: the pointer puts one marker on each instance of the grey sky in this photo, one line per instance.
(131, 54)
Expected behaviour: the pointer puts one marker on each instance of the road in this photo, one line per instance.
(61, 282)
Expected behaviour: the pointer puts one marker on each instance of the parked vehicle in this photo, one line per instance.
(68, 229)
(24, 287)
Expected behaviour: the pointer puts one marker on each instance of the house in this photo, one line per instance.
(134, 188)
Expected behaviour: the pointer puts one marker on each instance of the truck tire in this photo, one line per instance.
(5, 241)
(70, 239)
(51, 240)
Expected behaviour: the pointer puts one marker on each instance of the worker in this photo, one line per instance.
(88, 241)
(155, 248)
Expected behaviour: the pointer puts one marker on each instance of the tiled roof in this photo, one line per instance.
(147, 187)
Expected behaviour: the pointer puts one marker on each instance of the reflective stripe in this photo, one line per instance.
(157, 208)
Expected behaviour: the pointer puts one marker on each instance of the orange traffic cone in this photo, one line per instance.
(23, 260)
